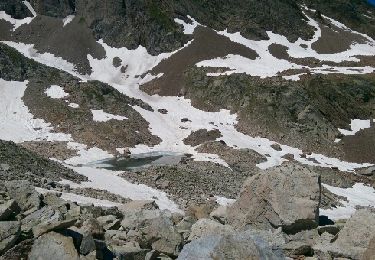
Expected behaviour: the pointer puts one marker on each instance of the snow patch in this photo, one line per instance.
(56, 92)
(31, 9)
(358, 195)
(79, 199)
(189, 28)
(101, 116)
(222, 201)
(73, 105)
(103, 179)
(47, 59)
(68, 19)
(86, 155)
(356, 125)
(17, 124)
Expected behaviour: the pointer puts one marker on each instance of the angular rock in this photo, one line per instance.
(53, 225)
(9, 209)
(87, 245)
(298, 248)
(207, 227)
(9, 233)
(134, 219)
(24, 194)
(109, 222)
(93, 227)
(162, 235)
(130, 250)
(115, 237)
(287, 196)
(355, 238)
(221, 247)
(45, 214)
(53, 246)
(220, 214)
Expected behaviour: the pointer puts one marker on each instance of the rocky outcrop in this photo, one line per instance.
(53, 246)
(9, 234)
(287, 196)
(54, 8)
(207, 227)
(24, 194)
(356, 238)
(232, 246)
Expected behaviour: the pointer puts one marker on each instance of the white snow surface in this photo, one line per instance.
(358, 195)
(73, 105)
(101, 116)
(86, 155)
(56, 92)
(17, 124)
(18, 22)
(79, 199)
(45, 58)
(222, 201)
(103, 179)
(356, 125)
(189, 28)
(68, 20)
(261, 66)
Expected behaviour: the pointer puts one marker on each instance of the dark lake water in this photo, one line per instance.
(372, 2)
(140, 161)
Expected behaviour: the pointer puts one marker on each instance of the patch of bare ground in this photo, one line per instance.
(72, 42)
(207, 44)
(335, 40)
(360, 147)
(56, 150)
(337, 178)
(201, 136)
(5, 29)
(79, 121)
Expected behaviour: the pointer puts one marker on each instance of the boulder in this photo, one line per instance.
(45, 214)
(220, 214)
(53, 225)
(9, 233)
(287, 196)
(9, 209)
(24, 194)
(53, 246)
(87, 245)
(207, 227)
(237, 246)
(130, 250)
(134, 219)
(109, 222)
(162, 235)
(355, 238)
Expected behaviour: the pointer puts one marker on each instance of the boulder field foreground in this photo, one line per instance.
(276, 216)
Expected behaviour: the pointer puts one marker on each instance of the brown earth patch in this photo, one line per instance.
(207, 45)
(57, 150)
(201, 136)
(72, 42)
(5, 29)
(335, 40)
(79, 121)
(360, 148)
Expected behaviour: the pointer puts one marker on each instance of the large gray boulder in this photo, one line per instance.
(162, 235)
(356, 238)
(53, 246)
(287, 196)
(9, 233)
(45, 214)
(207, 227)
(24, 193)
(221, 247)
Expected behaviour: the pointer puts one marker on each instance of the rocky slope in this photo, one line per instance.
(187, 129)
(274, 226)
